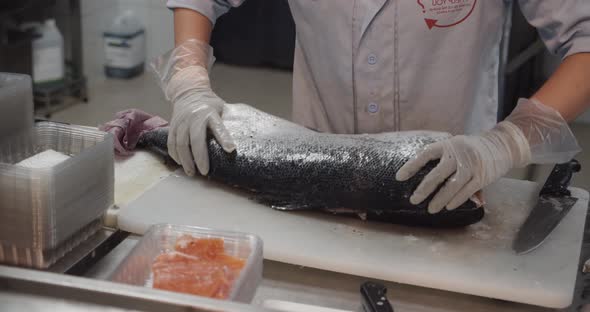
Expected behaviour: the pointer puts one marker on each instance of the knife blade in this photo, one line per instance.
(555, 201)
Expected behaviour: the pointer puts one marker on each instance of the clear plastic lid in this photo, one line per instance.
(46, 201)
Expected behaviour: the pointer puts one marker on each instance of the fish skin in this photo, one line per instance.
(290, 167)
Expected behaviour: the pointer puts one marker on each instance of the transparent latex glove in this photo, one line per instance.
(533, 133)
(196, 108)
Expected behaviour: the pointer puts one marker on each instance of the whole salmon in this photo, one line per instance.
(289, 167)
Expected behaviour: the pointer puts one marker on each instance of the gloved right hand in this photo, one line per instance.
(196, 108)
(532, 133)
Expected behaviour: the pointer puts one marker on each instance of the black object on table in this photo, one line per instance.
(374, 298)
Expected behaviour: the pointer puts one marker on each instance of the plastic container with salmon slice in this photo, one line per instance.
(136, 268)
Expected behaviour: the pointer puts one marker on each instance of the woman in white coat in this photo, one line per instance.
(367, 66)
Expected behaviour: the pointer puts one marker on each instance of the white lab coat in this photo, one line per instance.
(366, 66)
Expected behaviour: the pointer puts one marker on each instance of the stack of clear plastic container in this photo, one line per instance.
(136, 268)
(16, 103)
(45, 212)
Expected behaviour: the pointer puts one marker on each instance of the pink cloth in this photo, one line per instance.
(129, 126)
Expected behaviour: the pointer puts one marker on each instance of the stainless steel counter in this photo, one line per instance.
(311, 286)
(31, 290)
(32, 303)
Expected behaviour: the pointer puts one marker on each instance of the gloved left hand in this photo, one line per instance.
(184, 78)
(533, 133)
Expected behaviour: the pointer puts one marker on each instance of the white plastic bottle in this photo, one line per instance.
(48, 54)
(124, 46)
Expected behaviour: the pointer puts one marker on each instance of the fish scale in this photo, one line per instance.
(290, 167)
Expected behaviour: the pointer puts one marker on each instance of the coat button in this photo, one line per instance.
(372, 59)
(373, 108)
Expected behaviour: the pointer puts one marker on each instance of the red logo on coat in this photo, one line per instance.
(446, 13)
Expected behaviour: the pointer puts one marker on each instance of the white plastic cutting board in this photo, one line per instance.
(476, 260)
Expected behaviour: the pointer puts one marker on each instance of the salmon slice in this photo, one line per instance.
(197, 266)
(207, 248)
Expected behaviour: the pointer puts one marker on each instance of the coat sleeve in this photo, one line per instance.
(210, 8)
(564, 25)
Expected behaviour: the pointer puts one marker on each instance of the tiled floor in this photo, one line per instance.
(268, 90)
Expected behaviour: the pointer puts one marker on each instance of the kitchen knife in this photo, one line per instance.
(555, 201)
(374, 298)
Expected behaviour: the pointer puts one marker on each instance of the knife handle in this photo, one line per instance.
(560, 178)
(374, 299)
